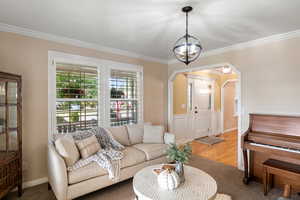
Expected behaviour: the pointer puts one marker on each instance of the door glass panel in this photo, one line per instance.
(202, 95)
(12, 92)
(13, 140)
(12, 117)
(2, 93)
(190, 96)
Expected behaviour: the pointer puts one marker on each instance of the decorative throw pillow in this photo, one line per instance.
(135, 133)
(88, 146)
(120, 134)
(153, 134)
(66, 147)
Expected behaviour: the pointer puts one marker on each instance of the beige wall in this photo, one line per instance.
(29, 57)
(269, 76)
(180, 90)
(230, 120)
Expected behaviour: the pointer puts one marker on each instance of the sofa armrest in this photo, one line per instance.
(169, 138)
(57, 173)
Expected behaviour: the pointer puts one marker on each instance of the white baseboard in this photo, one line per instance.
(32, 183)
(35, 182)
(230, 129)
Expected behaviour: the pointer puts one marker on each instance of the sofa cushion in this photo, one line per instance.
(153, 134)
(120, 134)
(152, 151)
(66, 147)
(89, 171)
(88, 146)
(135, 133)
(132, 156)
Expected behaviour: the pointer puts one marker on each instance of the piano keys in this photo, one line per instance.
(270, 136)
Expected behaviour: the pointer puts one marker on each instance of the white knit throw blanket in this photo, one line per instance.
(108, 158)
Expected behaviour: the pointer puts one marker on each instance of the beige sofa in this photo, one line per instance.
(137, 155)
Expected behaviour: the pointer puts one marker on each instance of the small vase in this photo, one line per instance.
(180, 171)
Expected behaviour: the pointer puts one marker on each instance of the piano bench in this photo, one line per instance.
(273, 167)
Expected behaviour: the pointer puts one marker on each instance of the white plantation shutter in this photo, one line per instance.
(89, 103)
(77, 106)
(125, 97)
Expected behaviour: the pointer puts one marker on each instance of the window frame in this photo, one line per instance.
(104, 68)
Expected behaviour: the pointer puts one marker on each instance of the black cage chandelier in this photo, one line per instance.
(187, 48)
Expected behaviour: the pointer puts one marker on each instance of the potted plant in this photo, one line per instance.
(180, 155)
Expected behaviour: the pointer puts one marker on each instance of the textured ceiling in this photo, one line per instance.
(150, 27)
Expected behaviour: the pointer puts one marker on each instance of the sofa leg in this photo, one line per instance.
(49, 186)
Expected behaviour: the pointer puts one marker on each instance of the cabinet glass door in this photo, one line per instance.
(8, 115)
(12, 123)
(2, 116)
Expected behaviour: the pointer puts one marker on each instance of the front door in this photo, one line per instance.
(200, 99)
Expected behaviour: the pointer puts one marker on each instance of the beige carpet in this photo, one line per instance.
(229, 181)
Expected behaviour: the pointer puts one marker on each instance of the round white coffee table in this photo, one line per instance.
(198, 185)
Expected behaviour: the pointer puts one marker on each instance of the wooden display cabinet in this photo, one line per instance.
(10, 133)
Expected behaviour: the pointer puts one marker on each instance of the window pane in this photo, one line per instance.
(124, 98)
(77, 98)
(123, 112)
(76, 82)
(123, 85)
(76, 115)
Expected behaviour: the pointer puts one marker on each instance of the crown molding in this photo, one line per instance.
(65, 40)
(243, 45)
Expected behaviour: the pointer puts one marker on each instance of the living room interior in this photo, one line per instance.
(128, 100)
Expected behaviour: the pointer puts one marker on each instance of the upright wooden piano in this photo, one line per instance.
(270, 137)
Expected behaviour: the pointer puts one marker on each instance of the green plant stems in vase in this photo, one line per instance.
(180, 155)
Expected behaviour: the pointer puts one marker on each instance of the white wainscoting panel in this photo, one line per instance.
(188, 127)
(216, 127)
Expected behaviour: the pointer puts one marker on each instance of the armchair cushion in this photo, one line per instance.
(132, 156)
(135, 133)
(120, 134)
(66, 147)
(152, 151)
(153, 134)
(83, 173)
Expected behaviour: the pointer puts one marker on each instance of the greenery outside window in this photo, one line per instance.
(76, 97)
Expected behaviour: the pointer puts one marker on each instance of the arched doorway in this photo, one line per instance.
(182, 119)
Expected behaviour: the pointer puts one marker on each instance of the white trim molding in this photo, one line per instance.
(244, 45)
(222, 101)
(65, 40)
(230, 129)
(33, 183)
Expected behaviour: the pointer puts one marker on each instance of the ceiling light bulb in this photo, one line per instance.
(226, 69)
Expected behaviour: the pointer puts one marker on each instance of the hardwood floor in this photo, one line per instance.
(224, 152)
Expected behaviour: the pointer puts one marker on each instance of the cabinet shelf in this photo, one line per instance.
(8, 104)
(9, 130)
